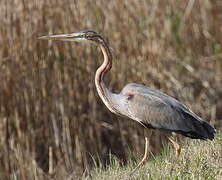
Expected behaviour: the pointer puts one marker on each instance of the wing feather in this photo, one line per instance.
(157, 110)
(153, 111)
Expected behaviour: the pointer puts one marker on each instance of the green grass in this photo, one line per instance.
(52, 121)
(198, 160)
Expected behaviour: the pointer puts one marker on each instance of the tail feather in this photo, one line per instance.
(210, 130)
(200, 129)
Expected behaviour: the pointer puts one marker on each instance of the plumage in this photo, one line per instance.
(149, 107)
(155, 109)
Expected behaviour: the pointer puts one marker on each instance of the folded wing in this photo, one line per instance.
(157, 110)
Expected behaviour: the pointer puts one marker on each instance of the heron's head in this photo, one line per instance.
(82, 36)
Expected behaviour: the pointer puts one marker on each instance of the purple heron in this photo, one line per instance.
(149, 107)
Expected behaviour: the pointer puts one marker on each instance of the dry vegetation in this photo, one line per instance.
(198, 160)
(52, 122)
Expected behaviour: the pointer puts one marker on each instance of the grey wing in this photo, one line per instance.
(157, 110)
(154, 112)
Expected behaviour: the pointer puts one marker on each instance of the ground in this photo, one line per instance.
(198, 160)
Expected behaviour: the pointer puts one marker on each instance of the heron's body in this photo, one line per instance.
(159, 111)
(149, 107)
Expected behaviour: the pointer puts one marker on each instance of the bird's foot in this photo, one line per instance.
(176, 146)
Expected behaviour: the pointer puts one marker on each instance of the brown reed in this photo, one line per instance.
(52, 122)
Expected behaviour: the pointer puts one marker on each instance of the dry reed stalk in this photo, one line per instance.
(47, 94)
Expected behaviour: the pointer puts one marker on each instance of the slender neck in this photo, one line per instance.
(102, 90)
(104, 68)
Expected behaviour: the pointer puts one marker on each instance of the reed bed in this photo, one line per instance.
(52, 122)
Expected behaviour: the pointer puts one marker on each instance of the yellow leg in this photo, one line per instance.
(144, 156)
(176, 146)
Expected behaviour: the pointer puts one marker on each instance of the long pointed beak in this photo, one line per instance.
(65, 37)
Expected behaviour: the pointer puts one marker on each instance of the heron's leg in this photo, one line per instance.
(176, 146)
(145, 153)
(144, 156)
